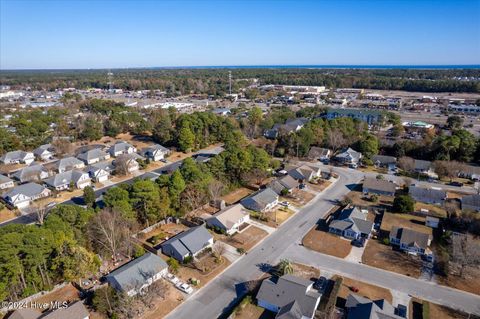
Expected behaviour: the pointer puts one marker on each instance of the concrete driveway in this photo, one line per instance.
(356, 254)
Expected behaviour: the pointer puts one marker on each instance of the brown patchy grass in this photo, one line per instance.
(7, 214)
(68, 293)
(326, 243)
(236, 195)
(185, 273)
(382, 256)
(246, 239)
(468, 283)
(442, 312)
(251, 311)
(299, 197)
(320, 186)
(305, 271)
(367, 290)
(358, 199)
(173, 298)
(432, 209)
(404, 220)
(168, 230)
(277, 216)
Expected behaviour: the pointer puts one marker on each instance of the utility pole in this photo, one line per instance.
(110, 81)
(230, 82)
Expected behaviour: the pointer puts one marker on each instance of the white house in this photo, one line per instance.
(230, 219)
(17, 157)
(68, 163)
(122, 148)
(62, 181)
(6, 182)
(100, 172)
(44, 152)
(93, 156)
(156, 152)
(21, 196)
(410, 241)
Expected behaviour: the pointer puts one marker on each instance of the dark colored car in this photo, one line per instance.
(358, 242)
(458, 184)
(320, 284)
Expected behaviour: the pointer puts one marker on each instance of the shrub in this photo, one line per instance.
(240, 250)
(386, 241)
(187, 259)
(173, 265)
(403, 204)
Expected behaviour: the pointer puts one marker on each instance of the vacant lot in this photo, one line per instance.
(212, 269)
(320, 186)
(432, 209)
(173, 297)
(299, 197)
(382, 256)
(159, 234)
(6, 214)
(236, 195)
(246, 239)
(468, 283)
(358, 199)
(327, 243)
(367, 290)
(442, 312)
(68, 293)
(404, 220)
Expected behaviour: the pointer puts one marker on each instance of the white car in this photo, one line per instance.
(185, 288)
(285, 204)
(173, 279)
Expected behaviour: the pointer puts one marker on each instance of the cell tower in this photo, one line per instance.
(230, 82)
(110, 81)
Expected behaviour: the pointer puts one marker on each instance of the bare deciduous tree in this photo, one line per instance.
(63, 146)
(218, 250)
(406, 163)
(193, 197)
(215, 189)
(449, 169)
(336, 140)
(40, 212)
(110, 233)
(122, 164)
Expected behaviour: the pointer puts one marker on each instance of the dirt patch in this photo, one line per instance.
(246, 239)
(358, 199)
(327, 243)
(68, 293)
(250, 311)
(173, 298)
(367, 290)
(404, 220)
(322, 184)
(442, 312)
(306, 272)
(299, 197)
(7, 214)
(161, 233)
(277, 216)
(432, 209)
(236, 195)
(382, 256)
(468, 283)
(185, 273)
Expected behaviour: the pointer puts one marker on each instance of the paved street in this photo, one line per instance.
(217, 296)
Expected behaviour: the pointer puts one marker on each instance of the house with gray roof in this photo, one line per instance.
(304, 173)
(32, 173)
(93, 156)
(349, 156)
(379, 187)
(122, 148)
(62, 181)
(471, 203)
(351, 223)
(230, 219)
(68, 163)
(289, 297)
(75, 310)
(427, 195)
(21, 196)
(188, 243)
(290, 126)
(138, 274)
(319, 153)
(6, 182)
(127, 163)
(100, 172)
(287, 183)
(385, 161)
(358, 307)
(261, 201)
(155, 152)
(411, 241)
(44, 152)
(424, 167)
(17, 157)
(470, 172)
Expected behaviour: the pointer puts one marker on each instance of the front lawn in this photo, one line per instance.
(326, 243)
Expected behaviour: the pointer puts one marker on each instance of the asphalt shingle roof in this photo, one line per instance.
(190, 241)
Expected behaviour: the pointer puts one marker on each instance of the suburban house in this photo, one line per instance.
(100, 172)
(129, 161)
(188, 243)
(261, 201)
(68, 163)
(289, 297)
(359, 307)
(231, 219)
(318, 153)
(351, 223)
(411, 241)
(271, 134)
(290, 126)
(305, 173)
(32, 173)
(6, 182)
(22, 195)
(349, 156)
(122, 148)
(470, 172)
(17, 157)
(471, 203)
(423, 167)
(223, 111)
(62, 181)
(385, 161)
(287, 183)
(379, 187)
(155, 153)
(93, 156)
(75, 310)
(427, 195)
(44, 152)
(138, 274)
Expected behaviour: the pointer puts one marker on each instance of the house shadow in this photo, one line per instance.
(322, 225)
(78, 200)
(241, 291)
(418, 222)
(353, 187)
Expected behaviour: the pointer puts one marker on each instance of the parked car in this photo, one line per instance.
(354, 289)
(185, 288)
(320, 284)
(458, 184)
(358, 242)
(285, 204)
(354, 166)
(302, 186)
(173, 279)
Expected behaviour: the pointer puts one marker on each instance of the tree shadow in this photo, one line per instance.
(265, 267)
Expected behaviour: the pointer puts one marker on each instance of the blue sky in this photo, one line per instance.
(110, 34)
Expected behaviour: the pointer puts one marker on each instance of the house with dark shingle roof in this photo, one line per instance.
(44, 152)
(389, 162)
(230, 219)
(137, 274)
(427, 195)
(287, 183)
(289, 297)
(62, 181)
(379, 187)
(359, 307)
(318, 153)
(304, 173)
(155, 152)
(93, 156)
(6, 182)
(471, 202)
(188, 243)
(32, 173)
(349, 156)
(351, 223)
(261, 201)
(410, 240)
(21, 196)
